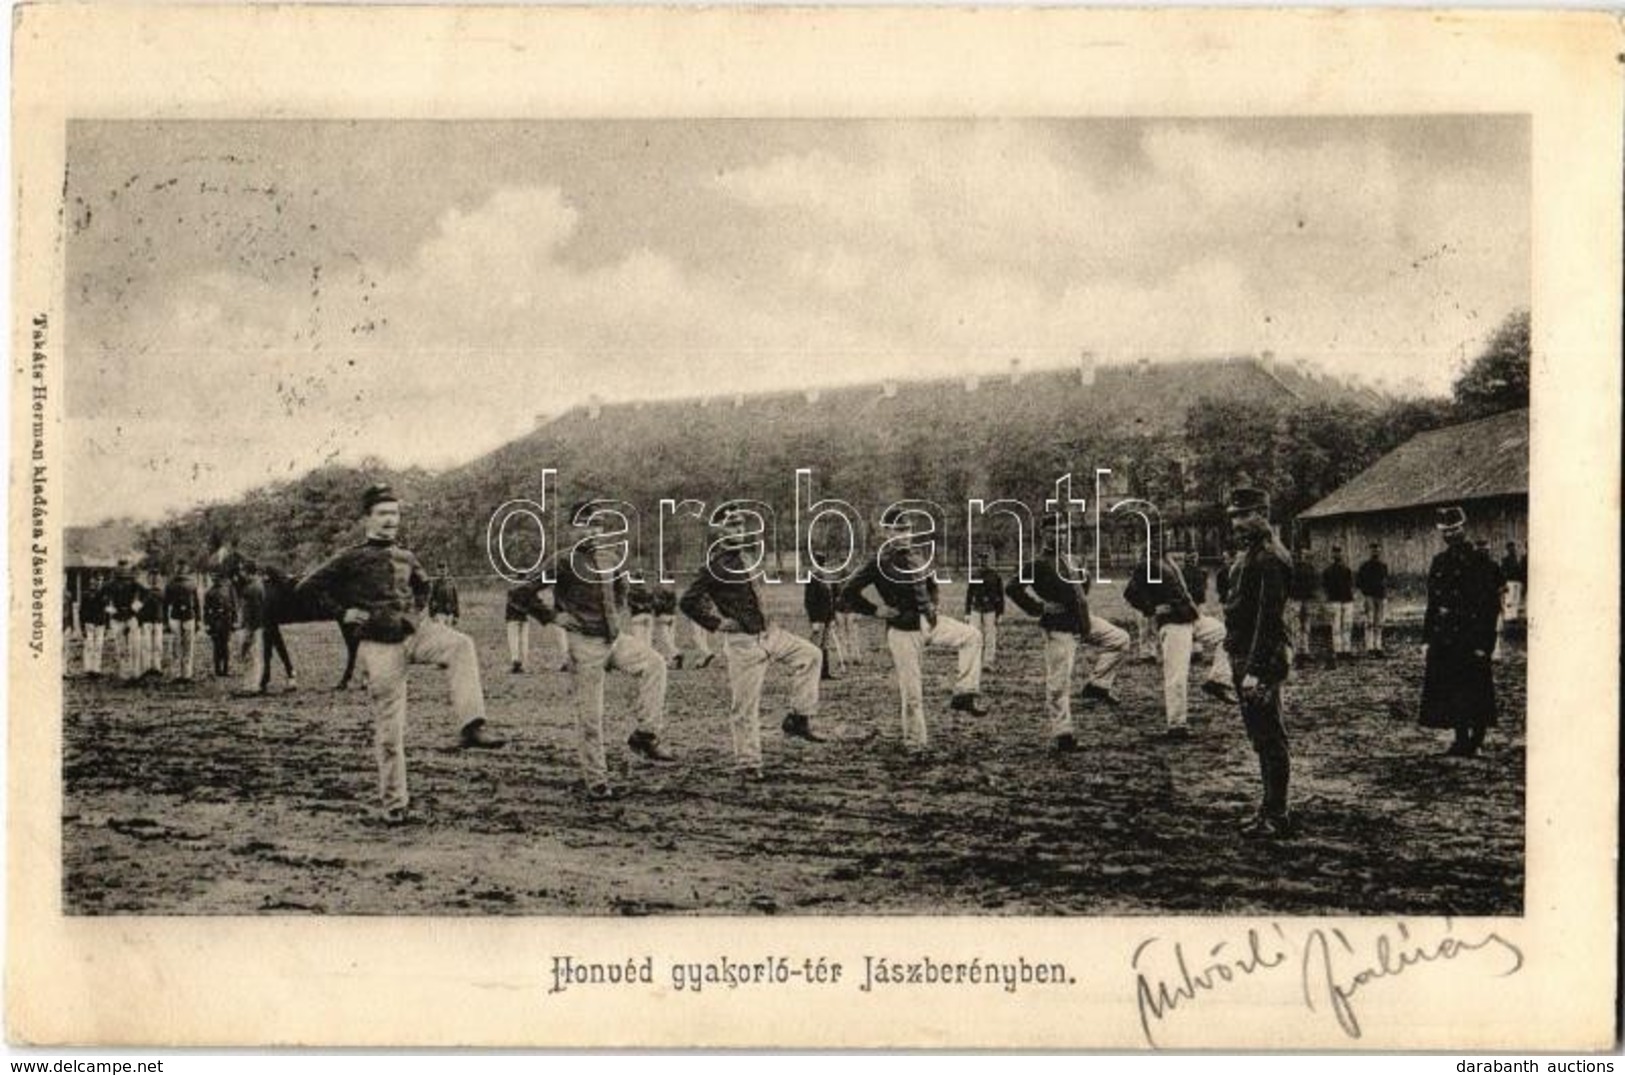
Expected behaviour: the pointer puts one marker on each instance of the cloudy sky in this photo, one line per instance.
(249, 300)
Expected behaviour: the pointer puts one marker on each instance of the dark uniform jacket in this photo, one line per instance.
(1372, 578)
(1050, 588)
(122, 595)
(986, 594)
(378, 577)
(251, 604)
(219, 610)
(1303, 584)
(522, 602)
(1339, 583)
(93, 607)
(586, 606)
(181, 600)
(640, 600)
(818, 598)
(1255, 616)
(722, 591)
(1166, 601)
(911, 601)
(1224, 579)
(665, 601)
(152, 606)
(443, 599)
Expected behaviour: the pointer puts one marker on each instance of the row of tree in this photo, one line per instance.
(926, 449)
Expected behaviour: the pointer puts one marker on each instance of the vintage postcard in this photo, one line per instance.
(814, 528)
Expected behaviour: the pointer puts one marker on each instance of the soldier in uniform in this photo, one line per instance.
(1338, 582)
(727, 599)
(93, 622)
(219, 619)
(444, 606)
(590, 603)
(1303, 592)
(382, 587)
(150, 624)
(1512, 569)
(908, 604)
(818, 600)
(1372, 582)
(1062, 608)
(665, 626)
(183, 610)
(1458, 630)
(122, 597)
(517, 614)
(1176, 610)
(984, 604)
(1256, 641)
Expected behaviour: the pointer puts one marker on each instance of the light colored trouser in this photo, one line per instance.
(1376, 610)
(590, 660)
(988, 624)
(1145, 635)
(127, 641)
(1342, 616)
(518, 641)
(1113, 643)
(907, 647)
(748, 657)
(155, 647)
(253, 658)
(702, 639)
(1060, 653)
(1512, 601)
(1177, 641)
(444, 618)
(95, 642)
(665, 636)
(185, 635)
(385, 664)
(846, 624)
(1300, 621)
(642, 626)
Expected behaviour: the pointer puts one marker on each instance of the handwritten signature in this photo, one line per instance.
(1332, 966)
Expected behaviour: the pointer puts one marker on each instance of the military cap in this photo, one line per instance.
(1246, 500)
(377, 493)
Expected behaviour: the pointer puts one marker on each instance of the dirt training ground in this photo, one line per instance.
(184, 800)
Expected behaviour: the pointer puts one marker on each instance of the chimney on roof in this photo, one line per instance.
(739, 400)
(542, 419)
(1086, 368)
(812, 395)
(1015, 371)
(1268, 359)
(972, 383)
(595, 407)
(888, 389)
(1143, 366)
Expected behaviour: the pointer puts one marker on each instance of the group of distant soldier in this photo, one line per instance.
(394, 614)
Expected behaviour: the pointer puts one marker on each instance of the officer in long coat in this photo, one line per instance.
(1458, 686)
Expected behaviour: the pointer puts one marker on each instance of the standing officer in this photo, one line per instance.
(589, 603)
(150, 620)
(93, 622)
(1458, 631)
(1372, 582)
(444, 606)
(984, 604)
(1338, 582)
(908, 604)
(122, 597)
(1062, 608)
(219, 618)
(183, 610)
(382, 588)
(1303, 592)
(1256, 641)
(726, 598)
(1180, 625)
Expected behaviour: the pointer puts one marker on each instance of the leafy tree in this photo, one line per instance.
(1498, 379)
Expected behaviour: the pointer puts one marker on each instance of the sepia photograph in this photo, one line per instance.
(791, 529)
(314, 665)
